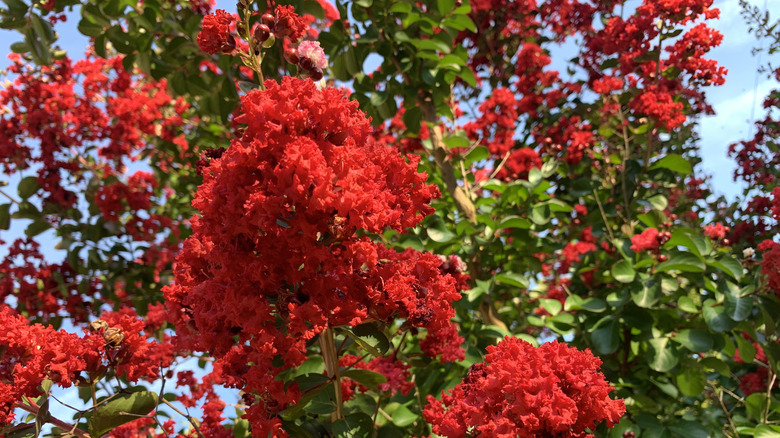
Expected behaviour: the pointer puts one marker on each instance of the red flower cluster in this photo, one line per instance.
(715, 231)
(65, 113)
(527, 392)
(287, 199)
(631, 41)
(33, 353)
(647, 240)
(42, 289)
(289, 24)
(215, 36)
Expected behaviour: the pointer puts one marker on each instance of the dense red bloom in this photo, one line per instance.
(289, 24)
(215, 36)
(770, 266)
(647, 240)
(527, 392)
(519, 163)
(287, 199)
(715, 231)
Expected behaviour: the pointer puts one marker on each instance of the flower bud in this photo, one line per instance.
(748, 253)
(268, 20)
(113, 337)
(291, 56)
(306, 64)
(97, 325)
(316, 74)
(262, 32)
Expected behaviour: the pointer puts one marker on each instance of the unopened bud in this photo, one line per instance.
(97, 325)
(113, 337)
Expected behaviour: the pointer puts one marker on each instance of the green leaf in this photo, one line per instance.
(445, 6)
(374, 337)
(715, 364)
(738, 308)
(515, 222)
(691, 382)
(477, 154)
(367, 378)
(28, 186)
(512, 279)
(689, 429)
(686, 304)
(438, 232)
(5, 216)
(730, 266)
(623, 271)
(662, 356)
(36, 228)
(658, 202)
(646, 294)
(114, 413)
(682, 261)
(311, 385)
(540, 214)
(551, 305)
(747, 352)
(606, 338)
(403, 417)
(695, 340)
(675, 163)
(754, 404)
(767, 431)
(357, 425)
(716, 318)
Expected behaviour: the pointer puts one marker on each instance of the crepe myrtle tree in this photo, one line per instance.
(462, 242)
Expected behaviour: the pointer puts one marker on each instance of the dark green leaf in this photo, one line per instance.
(28, 186)
(662, 356)
(36, 228)
(675, 163)
(716, 318)
(114, 413)
(606, 338)
(695, 340)
(357, 425)
(623, 271)
(691, 381)
(367, 378)
(512, 279)
(5, 216)
(370, 334)
(682, 261)
(646, 294)
(403, 417)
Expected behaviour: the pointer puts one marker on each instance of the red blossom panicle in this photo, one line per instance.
(770, 266)
(289, 24)
(526, 392)
(648, 240)
(287, 199)
(215, 36)
(42, 290)
(33, 353)
(519, 163)
(137, 356)
(715, 231)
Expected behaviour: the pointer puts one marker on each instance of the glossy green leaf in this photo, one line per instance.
(682, 261)
(112, 414)
(695, 340)
(623, 271)
(662, 355)
(357, 425)
(606, 338)
(675, 163)
(371, 334)
(367, 378)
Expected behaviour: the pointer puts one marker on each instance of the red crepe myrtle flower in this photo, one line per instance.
(288, 199)
(214, 36)
(289, 24)
(771, 264)
(647, 240)
(527, 392)
(716, 231)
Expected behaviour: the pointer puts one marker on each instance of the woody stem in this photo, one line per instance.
(328, 348)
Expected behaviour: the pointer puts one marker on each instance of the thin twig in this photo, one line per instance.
(34, 409)
(187, 416)
(604, 216)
